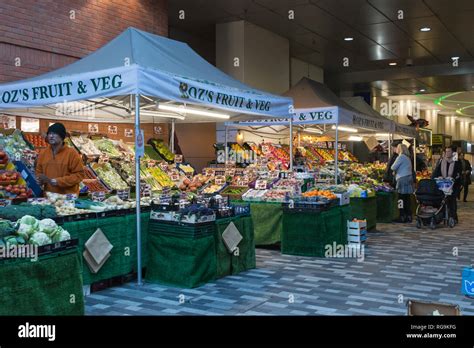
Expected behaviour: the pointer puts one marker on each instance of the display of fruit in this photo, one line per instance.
(36, 140)
(212, 189)
(9, 177)
(162, 149)
(14, 145)
(186, 168)
(17, 191)
(316, 193)
(3, 159)
(94, 185)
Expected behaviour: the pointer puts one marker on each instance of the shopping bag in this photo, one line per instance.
(468, 281)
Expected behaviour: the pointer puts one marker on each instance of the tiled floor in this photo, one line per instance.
(400, 263)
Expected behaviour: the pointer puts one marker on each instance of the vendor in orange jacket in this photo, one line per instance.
(59, 168)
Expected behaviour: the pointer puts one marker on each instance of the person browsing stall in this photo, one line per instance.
(404, 176)
(59, 168)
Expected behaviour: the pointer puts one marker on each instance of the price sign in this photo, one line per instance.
(71, 196)
(123, 194)
(220, 180)
(163, 166)
(98, 196)
(5, 202)
(261, 185)
(174, 177)
(145, 190)
(265, 149)
(275, 174)
(38, 201)
(103, 159)
(210, 172)
(230, 164)
(230, 172)
(291, 175)
(112, 130)
(178, 159)
(166, 191)
(243, 181)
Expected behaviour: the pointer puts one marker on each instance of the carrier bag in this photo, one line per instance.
(468, 281)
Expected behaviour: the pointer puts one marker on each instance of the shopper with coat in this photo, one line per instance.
(466, 175)
(449, 168)
(403, 169)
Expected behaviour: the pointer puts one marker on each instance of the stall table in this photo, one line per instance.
(52, 285)
(308, 234)
(387, 207)
(365, 208)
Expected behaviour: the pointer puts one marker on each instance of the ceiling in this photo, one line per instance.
(317, 32)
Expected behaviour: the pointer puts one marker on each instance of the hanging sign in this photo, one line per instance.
(210, 172)
(145, 190)
(230, 172)
(261, 185)
(243, 181)
(112, 130)
(140, 144)
(93, 128)
(128, 133)
(157, 130)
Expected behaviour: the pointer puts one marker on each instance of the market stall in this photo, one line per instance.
(137, 76)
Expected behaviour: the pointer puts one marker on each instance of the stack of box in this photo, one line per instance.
(356, 233)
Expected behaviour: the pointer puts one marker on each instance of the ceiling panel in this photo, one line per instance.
(445, 50)
(384, 33)
(354, 12)
(443, 7)
(410, 8)
(412, 27)
(408, 49)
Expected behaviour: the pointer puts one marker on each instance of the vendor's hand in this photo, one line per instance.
(43, 179)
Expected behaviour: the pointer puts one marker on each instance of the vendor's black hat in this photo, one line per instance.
(59, 129)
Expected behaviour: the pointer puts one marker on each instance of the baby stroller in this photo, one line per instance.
(432, 209)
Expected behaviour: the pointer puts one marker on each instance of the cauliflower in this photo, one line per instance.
(47, 226)
(39, 239)
(61, 235)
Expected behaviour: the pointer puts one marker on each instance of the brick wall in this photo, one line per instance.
(45, 36)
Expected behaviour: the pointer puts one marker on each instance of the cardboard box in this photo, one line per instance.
(417, 308)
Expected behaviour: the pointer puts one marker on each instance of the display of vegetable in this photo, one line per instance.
(6, 228)
(108, 175)
(85, 146)
(162, 149)
(15, 212)
(107, 147)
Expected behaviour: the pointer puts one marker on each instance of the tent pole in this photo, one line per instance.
(172, 135)
(137, 191)
(389, 146)
(226, 141)
(414, 154)
(336, 164)
(299, 139)
(291, 144)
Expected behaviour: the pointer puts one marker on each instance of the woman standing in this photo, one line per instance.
(466, 175)
(404, 176)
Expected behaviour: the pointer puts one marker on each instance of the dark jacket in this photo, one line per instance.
(466, 177)
(388, 176)
(456, 173)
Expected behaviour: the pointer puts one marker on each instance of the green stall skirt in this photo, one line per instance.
(121, 233)
(365, 208)
(387, 207)
(180, 260)
(50, 286)
(308, 234)
(267, 222)
(234, 263)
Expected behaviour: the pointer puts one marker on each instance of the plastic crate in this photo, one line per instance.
(304, 207)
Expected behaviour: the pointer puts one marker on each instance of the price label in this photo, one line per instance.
(178, 158)
(261, 185)
(145, 190)
(210, 172)
(163, 166)
(174, 177)
(71, 196)
(123, 194)
(265, 149)
(103, 159)
(274, 174)
(230, 164)
(38, 201)
(220, 180)
(98, 196)
(230, 172)
(243, 181)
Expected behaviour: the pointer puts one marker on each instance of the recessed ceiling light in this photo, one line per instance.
(454, 58)
(348, 39)
(424, 29)
(392, 63)
(422, 90)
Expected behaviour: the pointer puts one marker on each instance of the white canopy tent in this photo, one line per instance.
(144, 76)
(316, 104)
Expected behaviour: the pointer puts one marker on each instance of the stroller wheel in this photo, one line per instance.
(451, 222)
(432, 223)
(418, 223)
